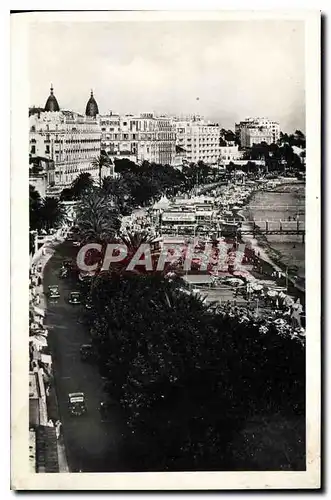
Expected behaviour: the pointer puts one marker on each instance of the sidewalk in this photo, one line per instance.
(41, 258)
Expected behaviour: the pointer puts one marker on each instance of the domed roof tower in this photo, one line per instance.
(51, 103)
(92, 107)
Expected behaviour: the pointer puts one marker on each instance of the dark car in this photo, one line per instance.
(87, 352)
(53, 292)
(76, 403)
(74, 298)
(64, 273)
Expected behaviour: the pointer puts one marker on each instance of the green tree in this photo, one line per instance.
(100, 162)
(52, 214)
(34, 208)
(188, 379)
(97, 218)
(119, 192)
(81, 185)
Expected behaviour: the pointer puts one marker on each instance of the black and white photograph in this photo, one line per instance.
(166, 181)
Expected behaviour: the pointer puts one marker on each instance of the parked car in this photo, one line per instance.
(76, 403)
(74, 298)
(86, 275)
(63, 272)
(53, 292)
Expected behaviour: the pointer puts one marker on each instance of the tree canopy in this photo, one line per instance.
(188, 379)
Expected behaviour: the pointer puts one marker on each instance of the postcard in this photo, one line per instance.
(165, 250)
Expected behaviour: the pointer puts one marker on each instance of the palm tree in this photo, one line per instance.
(34, 207)
(52, 213)
(81, 185)
(100, 162)
(119, 192)
(97, 218)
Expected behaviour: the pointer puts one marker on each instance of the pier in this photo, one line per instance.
(272, 227)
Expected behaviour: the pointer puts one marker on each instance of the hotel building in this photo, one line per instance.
(200, 140)
(71, 140)
(139, 138)
(256, 130)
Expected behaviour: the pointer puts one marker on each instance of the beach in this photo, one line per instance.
(284, 249)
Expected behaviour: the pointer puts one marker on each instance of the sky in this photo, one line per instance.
(223, 70)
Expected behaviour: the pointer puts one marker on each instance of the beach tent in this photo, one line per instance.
(162, 204)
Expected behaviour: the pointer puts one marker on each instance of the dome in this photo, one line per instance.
(51, 103)
(92, 107)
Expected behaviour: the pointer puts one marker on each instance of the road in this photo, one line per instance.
(91, 445)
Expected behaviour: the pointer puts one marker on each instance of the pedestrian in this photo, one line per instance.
(58, 427)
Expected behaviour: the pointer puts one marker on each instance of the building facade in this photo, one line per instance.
(256, 130)
(199, 139)
(139, 138)
(229, 154)
(71, 140)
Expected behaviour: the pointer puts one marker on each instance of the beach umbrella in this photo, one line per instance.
(235, 281)
(256, 287)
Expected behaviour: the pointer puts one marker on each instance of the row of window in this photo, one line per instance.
(83, 153)
(163, 136)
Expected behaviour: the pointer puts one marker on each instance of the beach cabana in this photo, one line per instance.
(162, 204)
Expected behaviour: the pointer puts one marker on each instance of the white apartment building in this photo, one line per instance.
(70, 139)
(252, 135)
(230, 153)
(199, 139)
(143, 137)
(255, 130)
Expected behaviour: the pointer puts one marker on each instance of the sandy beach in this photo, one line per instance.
(285, 250)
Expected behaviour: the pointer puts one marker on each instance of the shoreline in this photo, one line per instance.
(270, 256)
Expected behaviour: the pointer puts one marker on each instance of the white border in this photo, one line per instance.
(21, 478)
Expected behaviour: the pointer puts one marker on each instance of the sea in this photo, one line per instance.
(282, 205)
